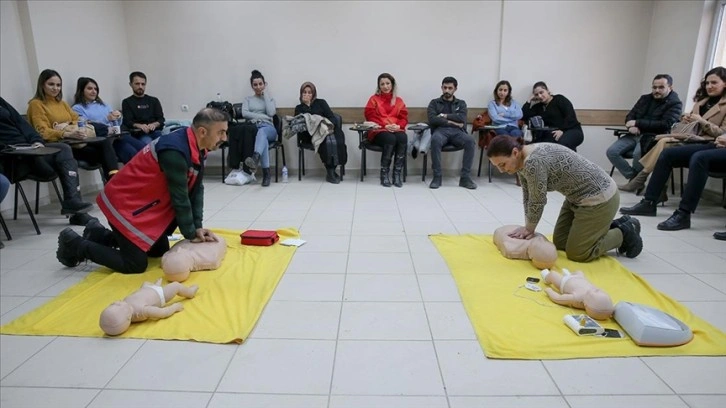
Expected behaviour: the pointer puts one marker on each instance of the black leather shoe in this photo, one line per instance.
(644, 207)
(436, 182)
(414, 152)
(632, 244)
(68, 245)
(721, 236)
(678, 221)
(266, 178)
(331, 177)
(467, 182)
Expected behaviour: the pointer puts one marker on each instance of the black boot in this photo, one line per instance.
(721, 236)
(467, 182)
(253, 162)
(680, 219)
(644, 207)
(436, 182)
(96, 232)
(632, 244)
(69, 248)
(386, 157)
(72, 203)
(397, 170)
(81, 219)
(266, 177)
(331, 176)
(386, 177)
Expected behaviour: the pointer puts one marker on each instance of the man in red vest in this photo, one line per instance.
(159, 190)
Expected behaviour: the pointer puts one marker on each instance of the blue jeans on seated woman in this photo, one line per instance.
(266, 133)
(509, 130)
(4, 186)
(126, 147)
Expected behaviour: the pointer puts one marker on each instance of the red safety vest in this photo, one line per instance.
(136, 201)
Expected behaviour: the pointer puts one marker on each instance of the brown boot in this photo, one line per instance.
(636, 184)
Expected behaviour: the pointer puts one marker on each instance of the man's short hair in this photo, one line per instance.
(667, 77)
(207, 116)
(450, 80)
(136, 74)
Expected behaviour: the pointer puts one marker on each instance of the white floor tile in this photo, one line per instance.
(467, 371)
(378, 243)
(609, 401)
(429, 263)
(324, 243)
(384, 321)
(508, 402)
(448, 321)
(691, 375)
(166, 364)
(386, 368)
(685, 288)
(298, 320)
(438, 288)
(381, 288)
(318, 262)
(712, 312)
(158, 399)
(15, 350)
(695, 262)
(8, 303)
(280, 367)
(344, 401)
(225, 400)
(74, 362)
(705, 401)
(605, 376)
(21, 397)
(310, 287)
(383, 263)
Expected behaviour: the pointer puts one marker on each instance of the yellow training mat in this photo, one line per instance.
(225, 309)
(517, 323)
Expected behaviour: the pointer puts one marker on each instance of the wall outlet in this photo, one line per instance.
(185, 108)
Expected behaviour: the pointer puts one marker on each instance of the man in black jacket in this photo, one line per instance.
(16, 130)
(653, 114)
(447, 119)
(142, 113)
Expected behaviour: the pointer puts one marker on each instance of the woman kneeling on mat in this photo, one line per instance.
(584, 229)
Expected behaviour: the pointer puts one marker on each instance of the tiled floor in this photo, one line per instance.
(367, 314)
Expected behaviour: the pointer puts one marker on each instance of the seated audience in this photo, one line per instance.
(260, 109)
(653, 114)
(700, 159)
(585, 229)
(158, 191)
(142, 113)
(709, 112)
(556, 112)
(387, 110)
(90, 107)
(504, 111)
(447, 118)
(332, 150)
(47, 110)
(16, 130)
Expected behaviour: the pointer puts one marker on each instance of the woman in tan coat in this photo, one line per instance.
(709, 112)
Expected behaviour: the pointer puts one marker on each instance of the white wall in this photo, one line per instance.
(15, 79)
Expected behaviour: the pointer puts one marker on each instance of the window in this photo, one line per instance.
(718, 42)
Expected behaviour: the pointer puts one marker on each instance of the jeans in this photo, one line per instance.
(448, 135)
(699, 158)
(617, 151)
(4, 186)
(146, 138)
(266, 133)
(509, 130)
(126, 147)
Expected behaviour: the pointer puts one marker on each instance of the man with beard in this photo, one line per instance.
(142, 114)
(653, 114)
(447, 119)
(159, 190)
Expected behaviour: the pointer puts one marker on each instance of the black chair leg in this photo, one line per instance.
(37, 195)
(423, 170)
(300, 165)
(277, 164)
(362, 164)
(15, 206)
(5, 228)
(489, 170)
(27, 207)
(612, 170)
(224, 163)
(57, 191)
(481, 157)
(342, 172)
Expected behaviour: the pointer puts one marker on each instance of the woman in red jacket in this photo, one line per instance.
(389, 112)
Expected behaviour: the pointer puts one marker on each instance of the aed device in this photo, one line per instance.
(651, 327)
(583, 325)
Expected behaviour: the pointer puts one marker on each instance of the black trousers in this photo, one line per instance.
(128, 258)
(98, 153)
(241, 144)
(398, 140)
(699, 158)
(570, 138)
(326, 156)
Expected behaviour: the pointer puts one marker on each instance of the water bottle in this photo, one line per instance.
(284, 174)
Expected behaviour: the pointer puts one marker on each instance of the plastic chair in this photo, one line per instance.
(364, 145)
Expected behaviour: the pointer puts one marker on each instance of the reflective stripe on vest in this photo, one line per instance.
(123, 221)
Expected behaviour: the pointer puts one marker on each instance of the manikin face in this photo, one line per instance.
(258, 85)
(661, 89)
(90, 92)
(385, 85)
(714, 85)
(52, 86)
(507, 164)
(139, 86)
(447, 90)
(542, 94)
(212, 136)
(502, 92)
